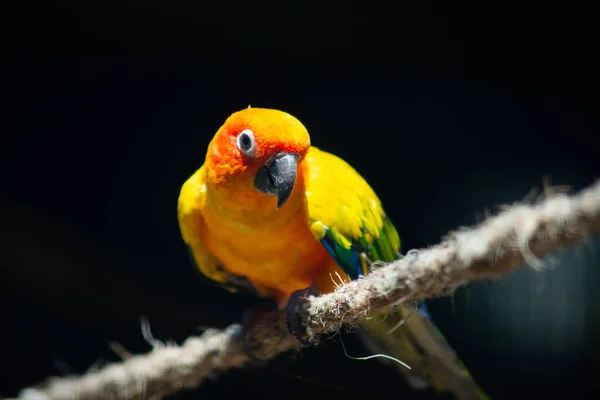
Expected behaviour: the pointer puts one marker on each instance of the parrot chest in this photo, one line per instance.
(283, 256)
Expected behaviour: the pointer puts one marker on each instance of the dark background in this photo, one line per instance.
(446, 109)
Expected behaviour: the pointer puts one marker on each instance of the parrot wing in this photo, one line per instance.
(191, 225)
(346, 216)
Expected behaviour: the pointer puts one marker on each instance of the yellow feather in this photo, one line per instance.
(190, 204)
(277, 250)
(339, 198)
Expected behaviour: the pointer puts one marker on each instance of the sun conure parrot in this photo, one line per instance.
(271, 213)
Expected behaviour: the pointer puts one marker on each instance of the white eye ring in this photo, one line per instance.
(245, 142)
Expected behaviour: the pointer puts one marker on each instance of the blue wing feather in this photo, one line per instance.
(353, 261)
(349, 260)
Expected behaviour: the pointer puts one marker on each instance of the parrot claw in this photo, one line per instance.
(249, 319)
(292, 315)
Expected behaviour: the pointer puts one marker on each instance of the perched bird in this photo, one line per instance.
(272, 214)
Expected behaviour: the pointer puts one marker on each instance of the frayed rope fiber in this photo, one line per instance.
(518, 235)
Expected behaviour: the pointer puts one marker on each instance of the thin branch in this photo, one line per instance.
(517, 236)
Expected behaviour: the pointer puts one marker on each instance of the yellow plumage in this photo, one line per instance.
(278, 251)
(331, 227)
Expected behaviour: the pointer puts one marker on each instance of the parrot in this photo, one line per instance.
(270, 214)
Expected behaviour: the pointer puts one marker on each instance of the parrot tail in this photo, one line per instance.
(411, 337)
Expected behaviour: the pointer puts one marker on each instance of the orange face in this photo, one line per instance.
(258, 150)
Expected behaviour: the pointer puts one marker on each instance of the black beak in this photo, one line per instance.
(277, 177)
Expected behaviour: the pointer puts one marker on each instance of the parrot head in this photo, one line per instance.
(256, 153)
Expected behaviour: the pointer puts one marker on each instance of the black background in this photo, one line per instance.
(446, 109)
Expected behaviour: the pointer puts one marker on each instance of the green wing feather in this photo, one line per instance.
(356, 255)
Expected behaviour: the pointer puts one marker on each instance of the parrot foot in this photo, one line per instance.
(251, 316)
(292, 314)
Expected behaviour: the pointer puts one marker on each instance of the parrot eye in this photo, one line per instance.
(245, 142)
